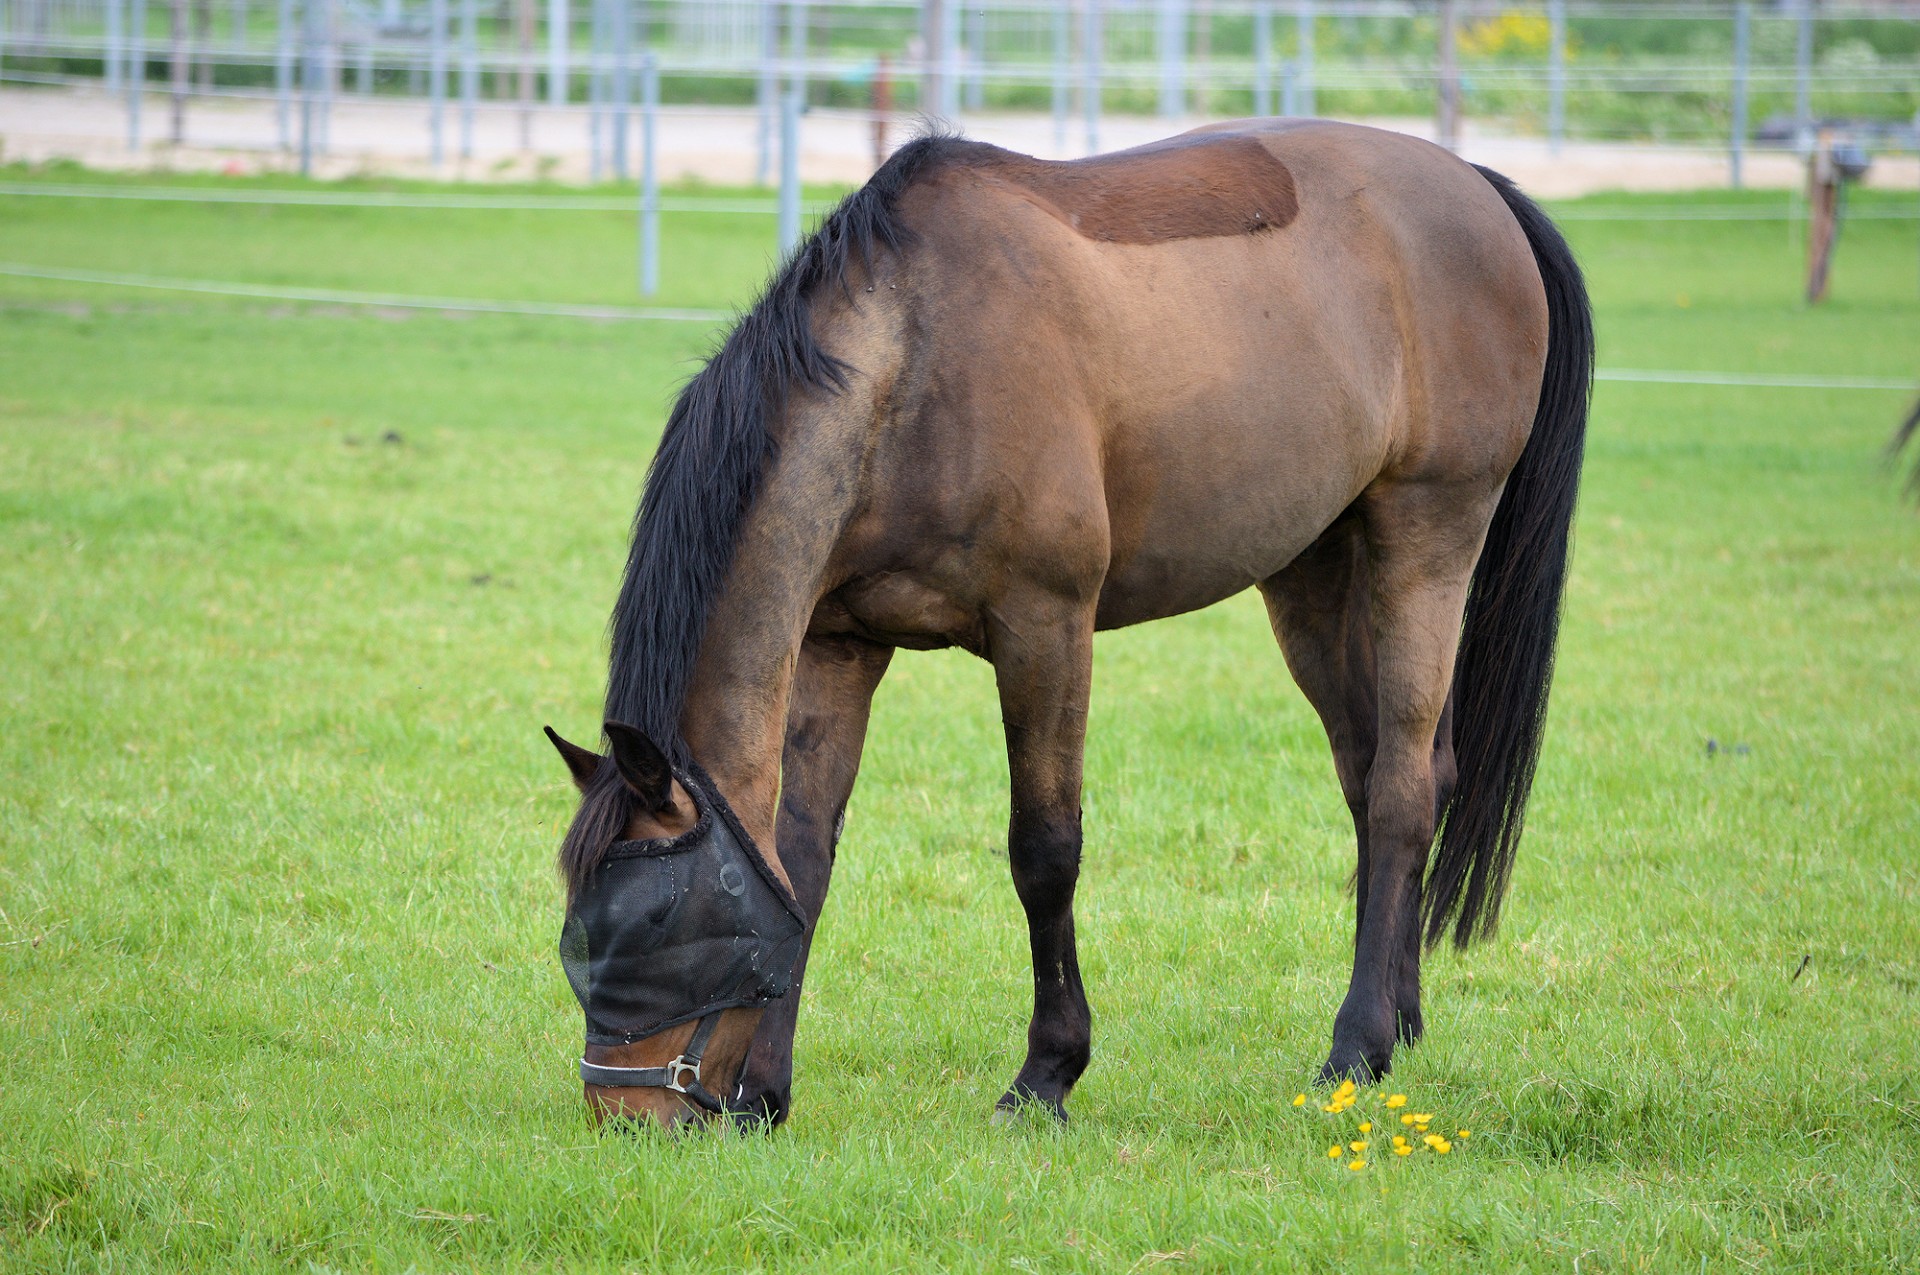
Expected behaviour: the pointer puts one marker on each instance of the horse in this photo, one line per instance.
(999, 404)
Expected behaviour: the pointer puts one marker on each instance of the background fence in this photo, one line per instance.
(1726, 75)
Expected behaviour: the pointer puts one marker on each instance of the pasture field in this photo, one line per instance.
(287, 592)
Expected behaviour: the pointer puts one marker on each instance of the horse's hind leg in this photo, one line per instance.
(826, 729)
(1043, 662)
(1321, 607)
(1422, 541)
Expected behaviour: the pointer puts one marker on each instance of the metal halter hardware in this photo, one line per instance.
(668, 1076)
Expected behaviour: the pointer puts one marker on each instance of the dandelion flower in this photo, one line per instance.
(1406, 1119)
(1397, 1100)
(1443, 1146)
(1433, 1140)
(1423, 1117)
(1399, 1141)
(1464, 1133)
(1299, 1100)
(1357, 1165)
(1346, 1087)
(1403, 1149)
(1366, 1126)
(1333, 1153)
(1359, 1144)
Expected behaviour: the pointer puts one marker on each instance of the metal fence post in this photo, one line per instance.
(116, 39)
(789, 171)
(1172, 43)
(1304, 74)
(1737, 141)
(973, 43)
(596, 88)
(797, 46)
(769, 90)
(283, 74)
(622, 13)
(309, 73)
(136, 68)
(469, 72)
(1263, 57)
(436, 78)
(1093, 38)
(950, 58)
(559, 32)
(1447, 101)
(1802, 79)
(649, 177)
(1557, 75)
(1062, 57)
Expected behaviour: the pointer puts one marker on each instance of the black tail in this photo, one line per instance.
(1505, 664)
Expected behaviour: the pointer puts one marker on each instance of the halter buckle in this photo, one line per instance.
(677, 1068)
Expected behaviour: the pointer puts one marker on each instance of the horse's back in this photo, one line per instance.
(1185, 361)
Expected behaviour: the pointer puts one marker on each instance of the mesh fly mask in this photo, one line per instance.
(672, 930)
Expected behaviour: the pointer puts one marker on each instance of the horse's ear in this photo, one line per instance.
(642, 765)
(582, 763)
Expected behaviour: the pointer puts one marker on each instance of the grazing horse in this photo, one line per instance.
(1000, 404)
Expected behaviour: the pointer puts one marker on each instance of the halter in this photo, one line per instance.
(667, 1077)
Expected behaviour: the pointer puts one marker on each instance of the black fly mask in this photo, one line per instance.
(665, 932)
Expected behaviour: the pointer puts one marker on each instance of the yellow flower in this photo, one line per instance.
(1359, 1144)
(1357, 1165)
(1423, 1117)
(1465, 1133)
(1403, 1149)
(1346, 1087)
(1399, 1141)
(1443, 1146)
(1397, 1100)
(1366, 1126)
(1329, 1107)
(1406, 1119)
(1299, 1100)
(1333, 1153)
(1433, 1140)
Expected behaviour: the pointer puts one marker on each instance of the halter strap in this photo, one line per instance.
(667, 1077)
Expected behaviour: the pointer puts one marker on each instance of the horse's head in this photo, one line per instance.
(678, 933)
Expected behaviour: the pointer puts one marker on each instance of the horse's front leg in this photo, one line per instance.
(826, 729)
(1043, 662)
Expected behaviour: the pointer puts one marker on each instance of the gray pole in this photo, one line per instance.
(328, 64)
(116, 44)
(469, 72)
(136, 69)
(769, 91)
(309, 74)
(974, 44)
(1062, 59)
(283, 74)
(950, 58)
(559, 18)
(622, 16)
(1737, 142)
(1093, 38)
(797, 46)
(1304, 74)
(1447, 104)
(933, 72)
(1802, 80)
(1263, 57)
(596, 87)
(789, 171)
(436, 78)
(1173, 55)
(1557, 75)
(649, 178)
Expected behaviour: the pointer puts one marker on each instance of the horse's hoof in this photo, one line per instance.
(1014, 1108)
(1353, 1064)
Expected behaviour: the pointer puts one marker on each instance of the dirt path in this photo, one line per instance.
(721, 145)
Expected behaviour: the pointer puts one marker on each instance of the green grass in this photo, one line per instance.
(278, 986)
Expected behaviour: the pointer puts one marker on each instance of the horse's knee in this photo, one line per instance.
(1044, 855)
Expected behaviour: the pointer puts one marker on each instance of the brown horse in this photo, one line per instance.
(1000, 404)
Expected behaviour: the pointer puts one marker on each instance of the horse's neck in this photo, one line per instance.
(736, 712)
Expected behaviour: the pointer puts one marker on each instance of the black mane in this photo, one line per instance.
(703, 480)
